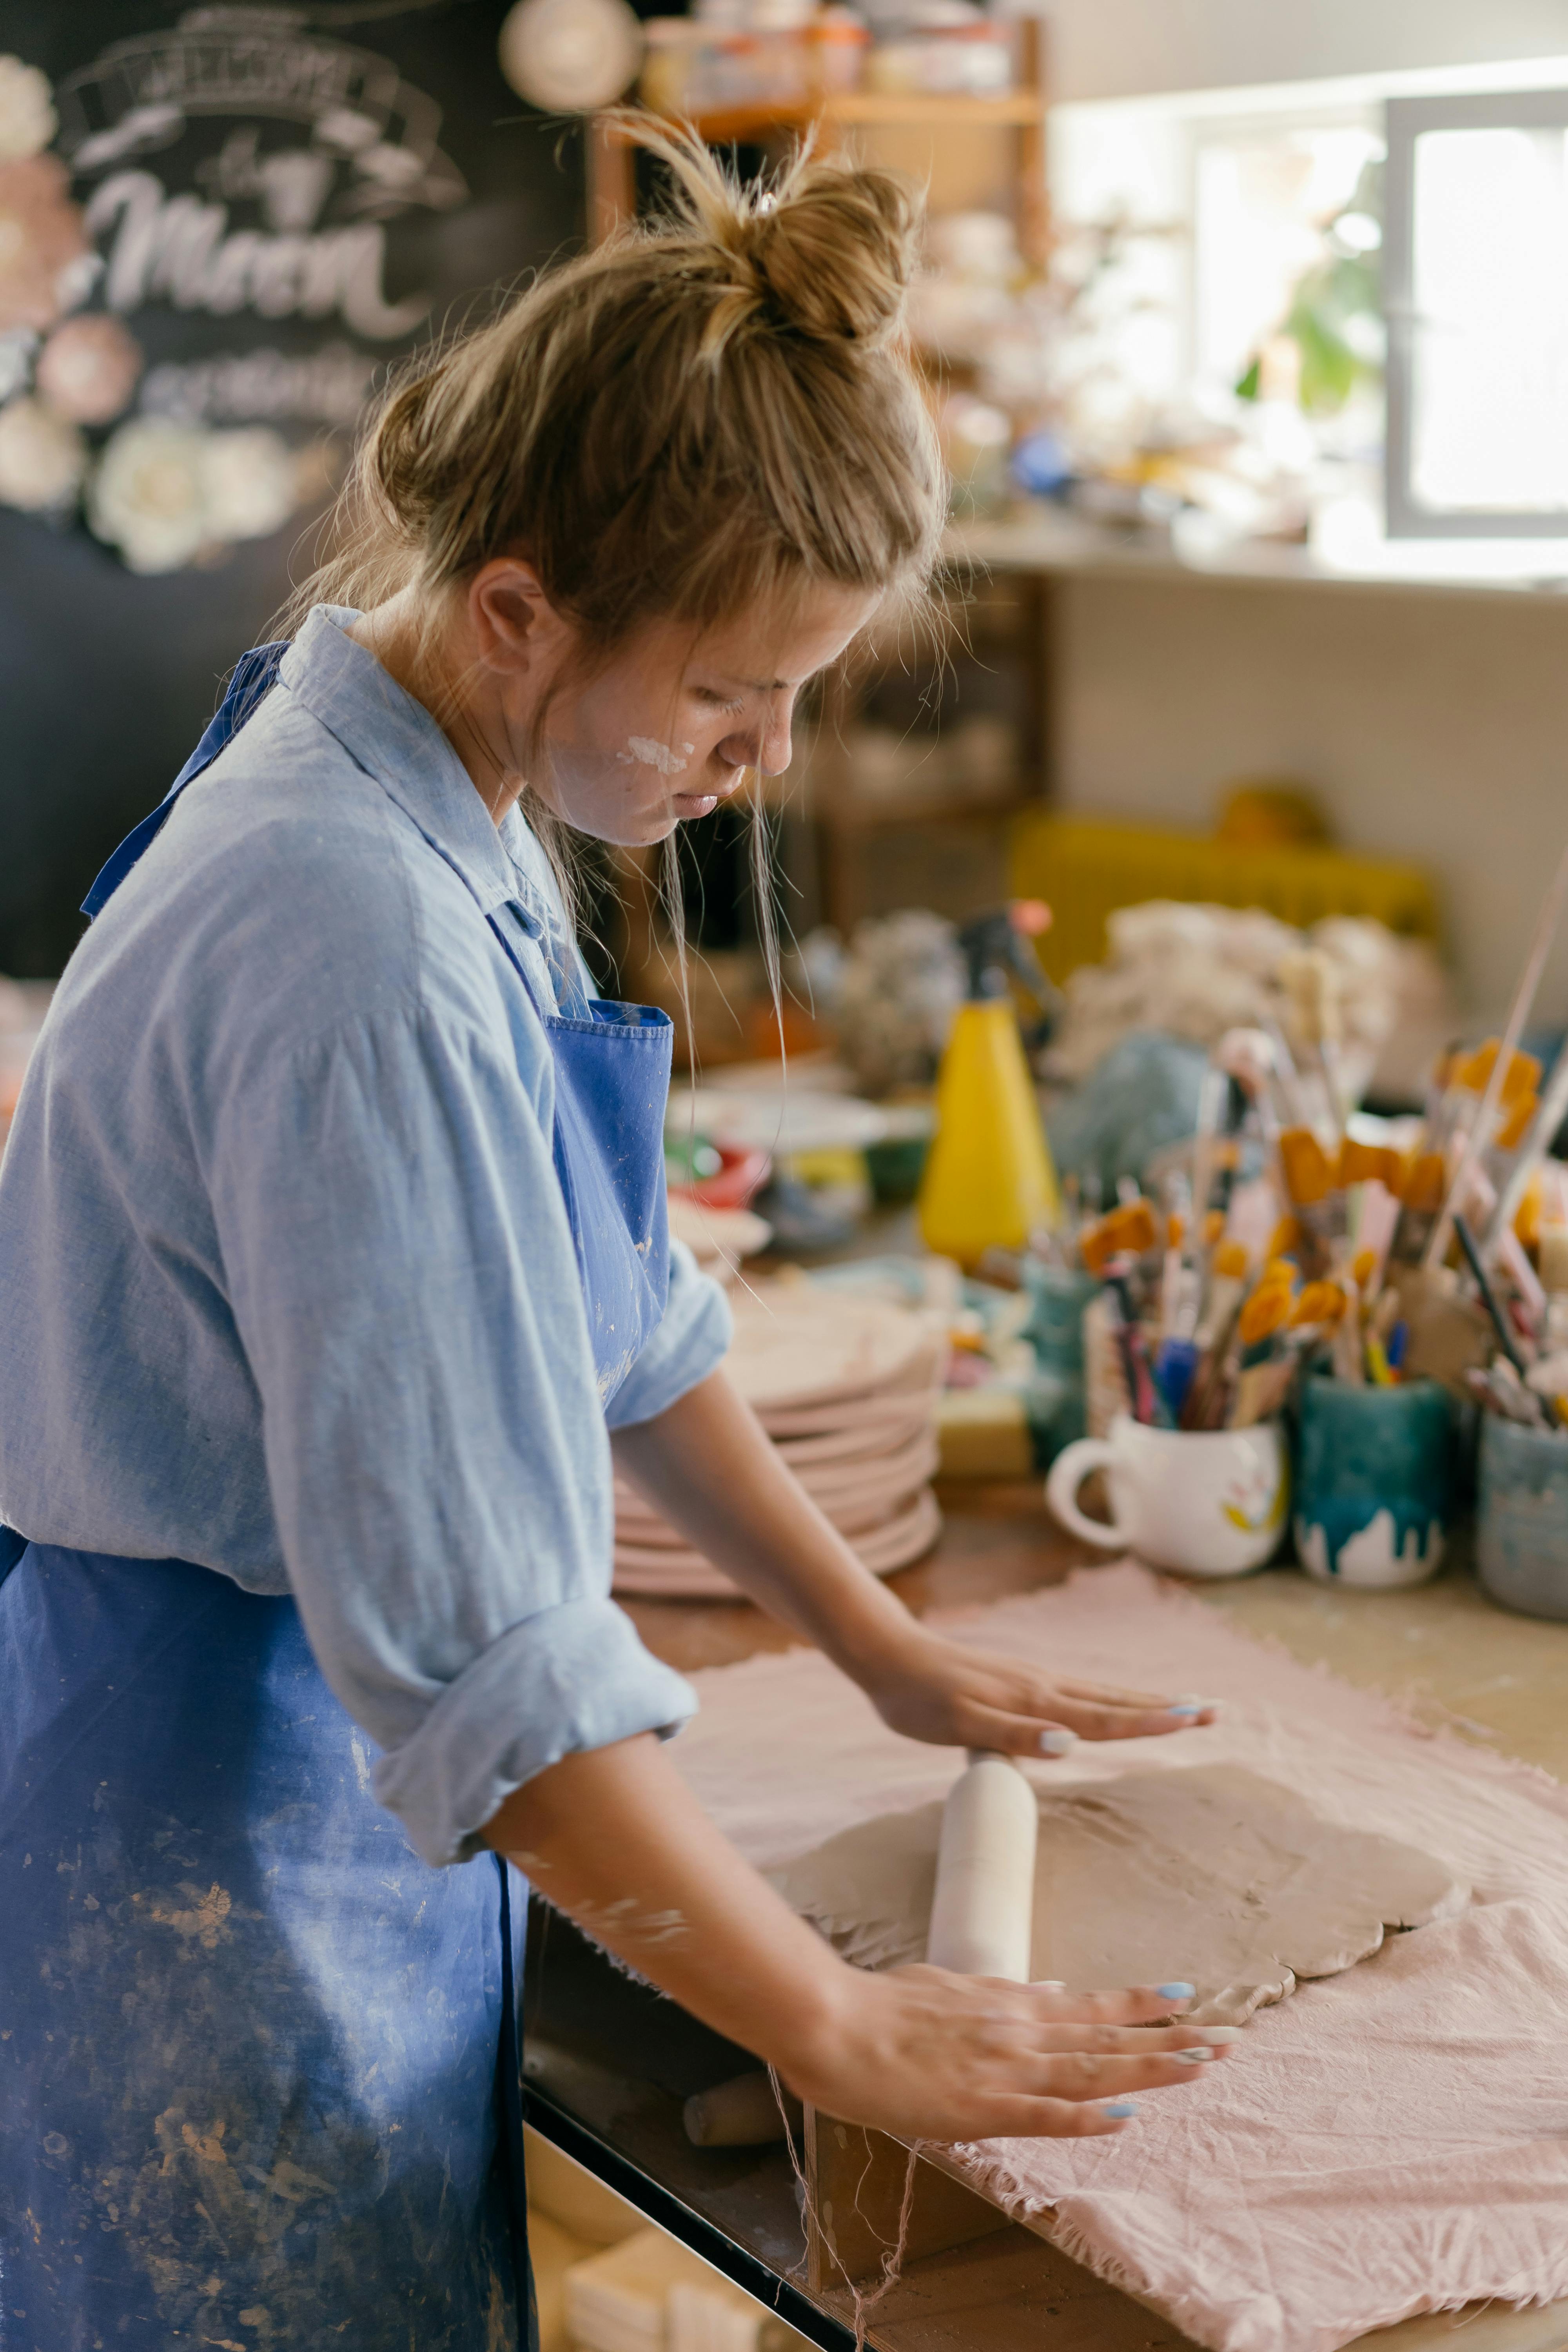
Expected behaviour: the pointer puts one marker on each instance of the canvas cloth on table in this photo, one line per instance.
(1385, 2142)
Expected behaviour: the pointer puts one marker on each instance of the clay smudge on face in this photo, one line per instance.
(646, 751)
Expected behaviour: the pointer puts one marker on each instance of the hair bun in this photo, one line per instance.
(834, 248)
(829, 248)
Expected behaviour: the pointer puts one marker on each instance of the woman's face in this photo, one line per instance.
(669, 728)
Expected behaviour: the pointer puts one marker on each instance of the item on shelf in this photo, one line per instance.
(976, 444)
(967, 295)
(847, 1387)
(758, 54)
(975, 760)
(1270, 812)
(668, 43)
(840, 37)
(947, 49)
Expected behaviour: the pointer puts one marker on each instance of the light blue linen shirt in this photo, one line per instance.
(287, 1285)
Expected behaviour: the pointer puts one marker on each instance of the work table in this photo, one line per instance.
(609, 2063)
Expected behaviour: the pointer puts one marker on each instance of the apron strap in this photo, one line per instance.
(12, 1547)
(254, 674)
(508, 2117)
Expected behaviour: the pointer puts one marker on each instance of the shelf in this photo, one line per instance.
(1018, 110)
(1045, 540)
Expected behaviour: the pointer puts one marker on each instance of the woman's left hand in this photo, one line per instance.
(957, 1697)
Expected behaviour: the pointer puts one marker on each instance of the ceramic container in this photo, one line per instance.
(1374, 1481)
(1205, 1502)
(1522, 1524)
(1057, 1298)
(1054, 1399)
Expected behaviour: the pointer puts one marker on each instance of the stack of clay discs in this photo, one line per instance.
(847, 1389)
(719, 1239)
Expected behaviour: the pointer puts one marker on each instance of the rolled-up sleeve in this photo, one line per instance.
(405, 1285)
(692, 1342)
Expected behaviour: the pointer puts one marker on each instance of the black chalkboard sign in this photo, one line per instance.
(270, 203)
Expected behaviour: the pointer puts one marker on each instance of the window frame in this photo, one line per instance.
(1406, 120)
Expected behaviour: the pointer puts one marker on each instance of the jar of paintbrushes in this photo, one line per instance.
(1194, 1458)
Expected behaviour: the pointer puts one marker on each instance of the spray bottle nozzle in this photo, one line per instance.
(997, 948)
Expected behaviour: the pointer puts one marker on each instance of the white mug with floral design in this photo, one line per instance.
(1205, 1502)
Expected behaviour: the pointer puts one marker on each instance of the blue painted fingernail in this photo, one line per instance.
(1199, 2057)
(1120, 2109)
(1058, 1740)
(1184, 1706)
(1174, 1991)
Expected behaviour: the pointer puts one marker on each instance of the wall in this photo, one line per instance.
(1124, 49)
(108, 678)
(1434, 729)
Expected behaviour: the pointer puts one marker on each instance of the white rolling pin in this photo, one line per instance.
(982, 1915)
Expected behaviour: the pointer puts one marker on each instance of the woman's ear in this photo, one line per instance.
(516, 627)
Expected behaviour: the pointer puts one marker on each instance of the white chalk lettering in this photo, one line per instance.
(180, 250)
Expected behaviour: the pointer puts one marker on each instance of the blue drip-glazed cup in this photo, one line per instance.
(1374, 1481)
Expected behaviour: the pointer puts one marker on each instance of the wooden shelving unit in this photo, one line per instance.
(893, 126)
(994, 641)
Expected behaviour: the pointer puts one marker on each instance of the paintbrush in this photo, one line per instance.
(1216, 1328)
(1312, 986)
(1551, 1112)
(1518, 1012)
(1500, 1323)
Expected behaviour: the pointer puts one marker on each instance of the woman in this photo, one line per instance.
(334, 1273)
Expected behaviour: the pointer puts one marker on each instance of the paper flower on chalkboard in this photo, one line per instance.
(88, 368)
(43, 458)
(249, 480)
(145, 497)
(44, 258)
(163, 494)
(27, 118)
(17, 351)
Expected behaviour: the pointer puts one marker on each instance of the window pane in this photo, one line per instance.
(1261, 206)
(1489, 333)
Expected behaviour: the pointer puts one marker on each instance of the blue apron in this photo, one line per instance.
(259, 2065)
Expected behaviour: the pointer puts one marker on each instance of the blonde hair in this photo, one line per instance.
(712, 411)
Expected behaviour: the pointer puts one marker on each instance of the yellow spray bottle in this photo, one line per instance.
(989, 1182)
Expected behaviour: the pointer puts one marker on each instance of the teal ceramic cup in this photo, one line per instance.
(1054, 1399)
(1522, 1519)
(1058, 1297)
(1374, 1481)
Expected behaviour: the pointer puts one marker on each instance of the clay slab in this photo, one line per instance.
(1213, 1874)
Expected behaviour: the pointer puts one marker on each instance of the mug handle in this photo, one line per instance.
(1067, 1473)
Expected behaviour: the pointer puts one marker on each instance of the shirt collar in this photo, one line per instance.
(395, 739)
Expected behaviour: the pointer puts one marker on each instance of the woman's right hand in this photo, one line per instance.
(925, 2055)
(616, 1838)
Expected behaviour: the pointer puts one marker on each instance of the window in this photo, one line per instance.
(1476, 293)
